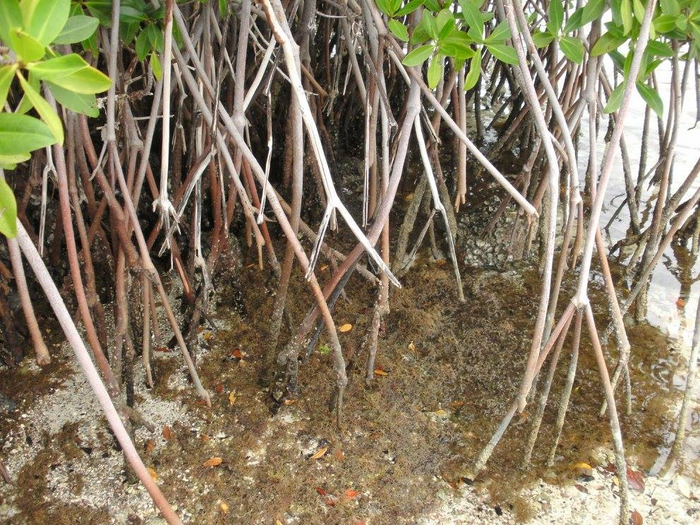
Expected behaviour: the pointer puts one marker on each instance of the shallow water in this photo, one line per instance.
(673, 295)
(665, 288)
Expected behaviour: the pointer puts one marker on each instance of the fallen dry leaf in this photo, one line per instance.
(238, 354)
(207, 335)
(153, 473)
(412, 347)
(680, 303)
(219, 388)
(352, 493)
(288, 402)
(457, 404)
(149, 445)
(231, 398)
(338, 454)
(163, 349)
(581, 488)
(213, 462)
(635, 479)
(636, 518)
(321, 491)
(205, 438)
(583, 469)
(320, 453)
(345, 328)
(224, 507)
(379, 372)
(167, 433)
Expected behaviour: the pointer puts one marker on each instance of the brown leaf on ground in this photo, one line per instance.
(321, 491)
(636, 518)
(231, 398)
(352, 493)
(213, 462)
(238, 354)
(153, 473)
(320, 453)
(380, 372)
(219, 388)
(583, 469)
(224, 507)
(149, 445)
(167, 433)
(345, 328)
(581, 488)
(636, 480)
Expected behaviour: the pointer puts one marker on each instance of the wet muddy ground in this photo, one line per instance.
(445, 373)
(444, 376)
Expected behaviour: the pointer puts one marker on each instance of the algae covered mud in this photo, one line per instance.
(408, 442)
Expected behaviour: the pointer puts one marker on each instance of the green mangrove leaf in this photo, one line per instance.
(6, 75)
(46, 112)
(418, 55)
(77, 29)
(503, 53)
(474, 72)
(409, 8)
(592, 10)
(76, 102)
(556, 16)
(626, 15)
(27, 48)
(71, 72)
(435, 71)
(500, 34)
(606, 43)
(542, 38)
(572, 48)
(399, 30)
(651, 97)
(156, 66)
(44, 19)
(8, 208)
(574, 22)
(615, 99)
(10, 17)
(20, 134)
